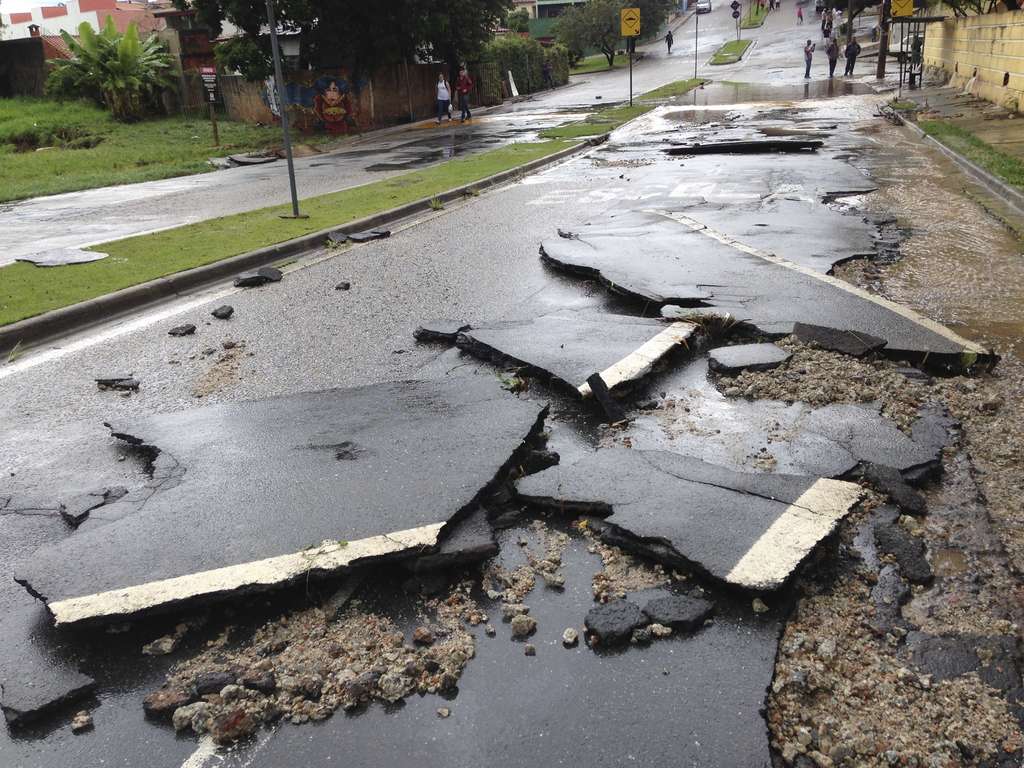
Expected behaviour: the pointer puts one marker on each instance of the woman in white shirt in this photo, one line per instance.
(444, 98)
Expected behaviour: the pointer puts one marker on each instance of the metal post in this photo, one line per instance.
(213, 122)
(279, 84)
(884, 24)
(629, 48)
(696, 42)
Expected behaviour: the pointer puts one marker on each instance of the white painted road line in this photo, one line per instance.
(788, 540)
(270, 571)
(639, 363)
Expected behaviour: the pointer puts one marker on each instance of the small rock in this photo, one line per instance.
(122, 383)
(261, 276)
(233, 726)
(81, 722)
(195, 716)
(660, 630)
(614, 622)
(523, 625)
(493, 594)
(510, 610)
(443, 712)
(392, 687)
(212, 682)
(553, 580)
(229, 344)
(758, 605)
(182, 330)
(231, 692)
(641, 636)
(423, 636)
(163, 703)
(264, 683)
(161, 646)
(827, 648)
(490, 631)
(570, 637)
(344, 285)
(223, 312)
(530, 650)
(680, 611)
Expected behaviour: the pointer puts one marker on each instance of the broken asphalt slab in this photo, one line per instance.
(752, 147)
(276, 490)
(261, 276)
(749, 531)
(60, 257)
(571, 346)
(746, 357)
(669, 258)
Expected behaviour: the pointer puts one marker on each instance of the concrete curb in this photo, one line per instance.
(1009, 195)
(49, 325)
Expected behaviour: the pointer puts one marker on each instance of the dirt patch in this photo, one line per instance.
(224, 370)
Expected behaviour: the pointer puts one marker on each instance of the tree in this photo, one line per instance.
(116, 70)
(518, 21)
(594, 24)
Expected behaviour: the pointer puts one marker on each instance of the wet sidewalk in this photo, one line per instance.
(993, 124)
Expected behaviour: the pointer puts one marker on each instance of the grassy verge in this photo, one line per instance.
(47, 147)
(754, 17)
(731, 52)
(610, 118)
(597, 63)
(1006, 167)
(27, 290)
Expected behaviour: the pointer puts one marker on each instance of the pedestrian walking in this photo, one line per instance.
(832, 51)
(444, 98)
(464, 85)
(808, 54)
(852, 52)
(668, 41)
(799, 14)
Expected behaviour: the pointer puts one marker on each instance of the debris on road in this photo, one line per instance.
(783, 517)
(182, 330)
(835, 340)
(344, 285)
(81, 722)
(746, 357)
(683, 612)
(761, 146)
(219, 530)
(121, 383)
(259, 277)
(440, 330)
(359, 237)
(223, 312)
(613, 623)
(61, 257)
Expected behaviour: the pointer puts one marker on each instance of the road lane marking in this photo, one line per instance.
(639, 363)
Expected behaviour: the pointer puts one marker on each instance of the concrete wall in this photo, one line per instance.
(990, 47)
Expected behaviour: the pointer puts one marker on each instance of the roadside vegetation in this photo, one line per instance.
(27, 290)
(597, 63)
(754, 17)
(47, 147)
(731, 52)
(1007, 167)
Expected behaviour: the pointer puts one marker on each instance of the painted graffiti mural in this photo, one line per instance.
(319, 102)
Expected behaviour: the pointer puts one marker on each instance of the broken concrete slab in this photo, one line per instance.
(755, 147)
(60, 257)
(123, 383)
(569, 346)
(845, 342)
(682, 612)
(440, 330)
(669, 258)
(750, 531)
(908, 550)
(746, 357)
(338, 236)
(182, 330)
(262, 480)
(34, 679)
(223, 312)
(995, 659)
(613, 623)
(261, 276)
(470, 540)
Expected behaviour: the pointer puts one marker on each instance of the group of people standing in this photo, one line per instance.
(463, 86)
(851, 52)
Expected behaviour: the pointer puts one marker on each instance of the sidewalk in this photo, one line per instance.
(991, 123)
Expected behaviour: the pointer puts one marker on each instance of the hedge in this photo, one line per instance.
(524, 57)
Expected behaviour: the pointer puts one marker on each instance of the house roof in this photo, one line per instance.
(54, 47)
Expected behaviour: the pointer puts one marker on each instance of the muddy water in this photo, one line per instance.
(960, 266)
(727, 92)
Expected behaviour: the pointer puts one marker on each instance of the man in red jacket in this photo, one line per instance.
(464, 85)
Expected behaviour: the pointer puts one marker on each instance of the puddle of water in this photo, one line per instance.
(949, 562)
(960, 265)
(728, 92)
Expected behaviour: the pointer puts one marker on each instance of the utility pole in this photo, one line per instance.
(884, 22)
(849, 22)
(696, 42)
(282, 108)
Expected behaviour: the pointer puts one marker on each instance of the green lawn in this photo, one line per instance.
(1007, 167)
(731, 52)
(597, 63)
(754, 17)
(609, 118)
(27, 290)
(48, 147)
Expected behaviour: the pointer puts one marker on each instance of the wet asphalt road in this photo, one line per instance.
(476, 261)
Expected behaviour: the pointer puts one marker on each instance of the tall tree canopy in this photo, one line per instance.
(595, 24)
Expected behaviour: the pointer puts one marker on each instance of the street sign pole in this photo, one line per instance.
(209, 78)
(629, 46)
(736, 13)
(629, 28)
(696, 42)
(279, 86)
(213, 122)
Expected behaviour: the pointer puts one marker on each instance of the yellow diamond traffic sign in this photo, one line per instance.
(902, 8)
(630, 18)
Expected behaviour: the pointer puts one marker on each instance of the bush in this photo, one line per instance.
(520, 55)
(558, 57)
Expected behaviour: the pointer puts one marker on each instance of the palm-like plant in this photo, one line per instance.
(116, 70)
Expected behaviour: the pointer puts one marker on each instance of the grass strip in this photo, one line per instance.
(48, 147)
(731, 52)
(754, 17)
(1006, 167)
(597, 63)
(27, 290)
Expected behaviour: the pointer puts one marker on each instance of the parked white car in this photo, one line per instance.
(703, 6)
